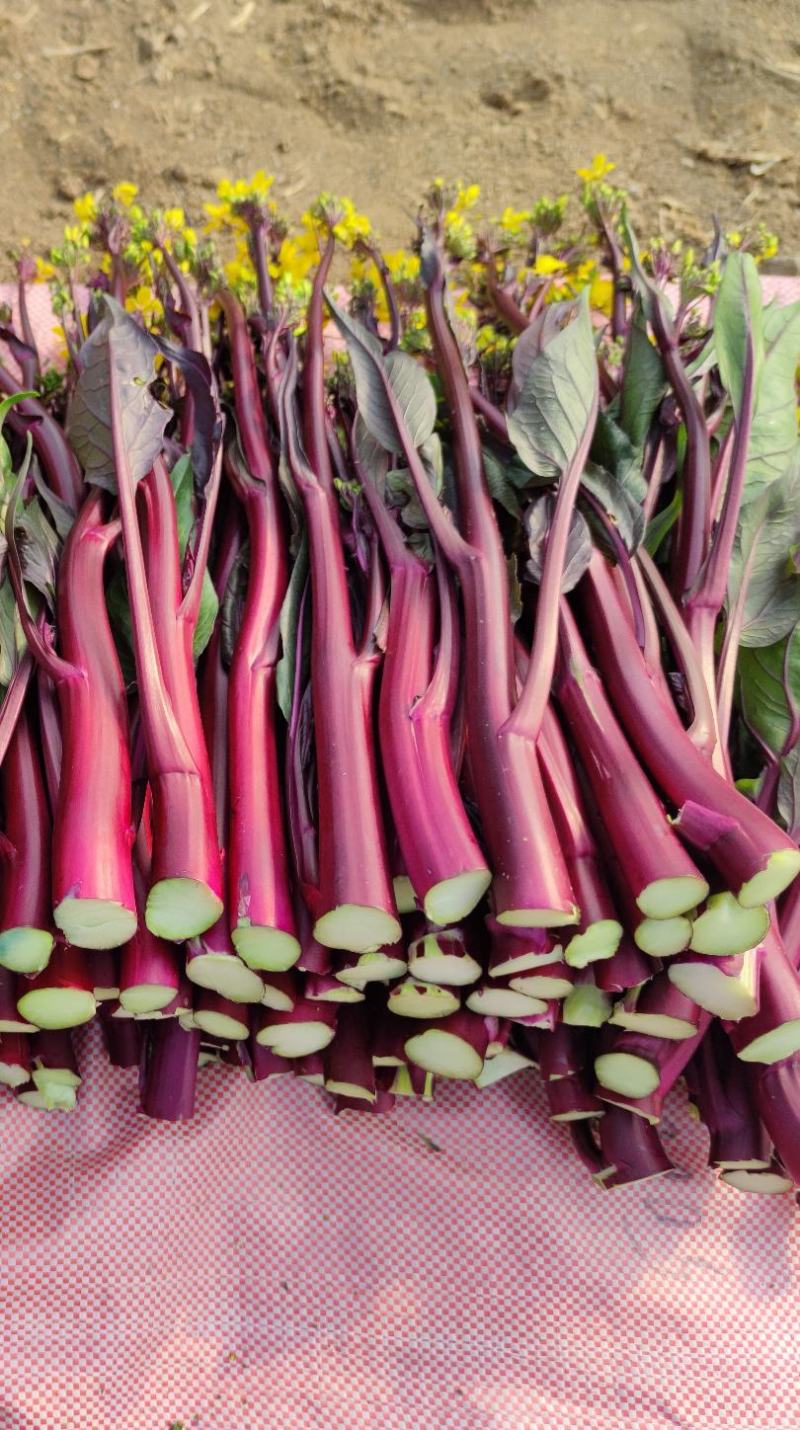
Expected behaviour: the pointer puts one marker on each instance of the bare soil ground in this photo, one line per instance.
(699, 103)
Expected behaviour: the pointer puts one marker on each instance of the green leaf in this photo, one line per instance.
(612, 448)
(508, 468)
(62, 515)
(6, 404)
(538, 519)
(762, 692)
(289, 621)
(529, 344)
(12, 641)
(118, 339)
(39, 550)
(182, 481)
(119, 615)
(415, 395)
(514, 589)
(232, 605)
(617, 502)
(739, 325)
(773, 436)
(409, 383)
(372, 456)
(704, 361)
(500, 487)
(789, 792)
(557, 397)
(659, 527)
(768, 529)
(643, 382)
(206, 617)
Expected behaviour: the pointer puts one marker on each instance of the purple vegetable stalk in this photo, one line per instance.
(355, 898)
(259, 894)
(185, 897)
(419, 684)
(168, 1075)
(662, 877)
(26, 937)
(93, 894)
(754, 856)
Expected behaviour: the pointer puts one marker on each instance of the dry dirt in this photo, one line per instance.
(699, 103)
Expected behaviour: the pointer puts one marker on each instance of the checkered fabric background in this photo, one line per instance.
(446, 1267)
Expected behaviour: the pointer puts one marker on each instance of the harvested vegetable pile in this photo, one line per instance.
(401, 671)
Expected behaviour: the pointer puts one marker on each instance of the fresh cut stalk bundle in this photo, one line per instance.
(400, 667)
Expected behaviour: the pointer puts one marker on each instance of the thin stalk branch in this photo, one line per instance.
(695, 524)
(529, 712)
(703, 729)
(13, 701)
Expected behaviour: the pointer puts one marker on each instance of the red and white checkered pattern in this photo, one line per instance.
(273, 1267)
(448, 1267)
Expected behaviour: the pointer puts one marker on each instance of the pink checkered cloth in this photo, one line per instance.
(448, 1267)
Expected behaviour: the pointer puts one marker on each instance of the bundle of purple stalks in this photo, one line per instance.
(402, 682)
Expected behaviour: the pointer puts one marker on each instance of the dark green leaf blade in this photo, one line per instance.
(410, 384)
(555, 403)
(617, 502)
(206, 617)
(289, 623)
(768, 530)
(762, 692)
(789, 793)
(643, 382)
(538, 518)
(773, 435)
(739, 325)
(182, 480)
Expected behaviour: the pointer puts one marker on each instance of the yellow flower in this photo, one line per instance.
(260, 185)
(238, 191)
(124, 194)
(489, 342)
(63, 351)
(466, 197)
(104, 263)
(362, 270)
(547, 264)
(459, 234)
(85, 208)
(239, 273)
(219, 216)
(296, 258)
(403, 266)
(352, 225)
(44, 270)
(75, 233)
(222, 216)
(514, 221)
(601, 294)
(143, 301)
(733, 239)
(189, 237)
(597, 170)
(174, 219)
(463, 308)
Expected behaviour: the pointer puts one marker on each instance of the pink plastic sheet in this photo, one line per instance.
(446, 1267)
